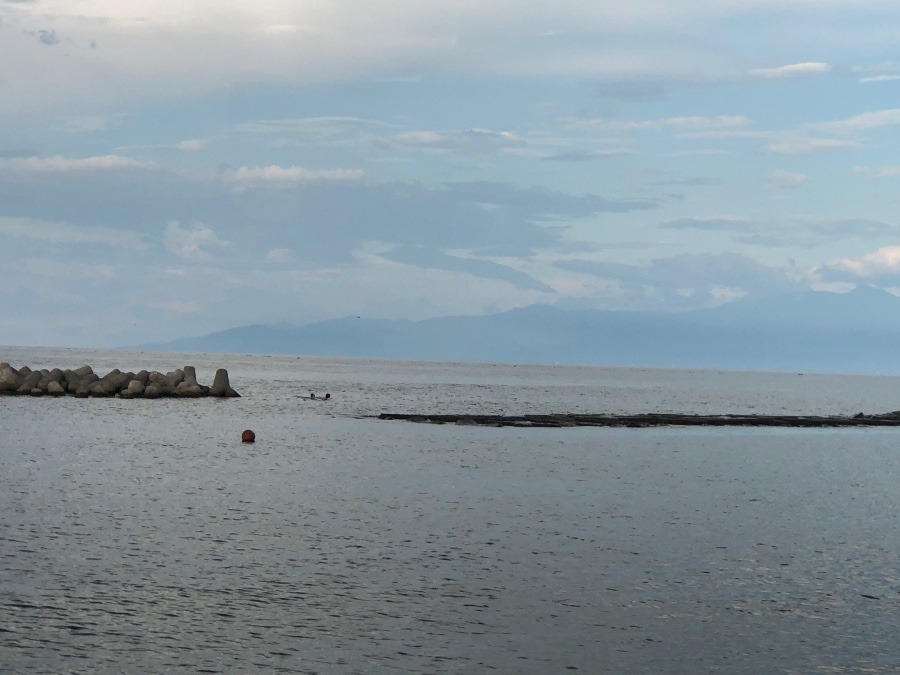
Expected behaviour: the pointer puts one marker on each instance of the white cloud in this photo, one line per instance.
(689, 125)
(473, 140)
(60, 164)
(793, 70)
(867, 120)
(721, 224)
(879, 78)
(84, 124)
(192, 144)
(157, 48)
(178, 306)
(191, 244)
(879, 172)
(787, 179)
(807, 146)
(883, 260)
(723, 294)
(279, 255)
(276, 175)
(311, 126)
(719, 122)
(66, 234)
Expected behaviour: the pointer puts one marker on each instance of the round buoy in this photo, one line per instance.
(248, 436)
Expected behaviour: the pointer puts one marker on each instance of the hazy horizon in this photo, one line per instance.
(174, 168)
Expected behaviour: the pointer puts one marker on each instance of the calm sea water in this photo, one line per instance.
(142, 536)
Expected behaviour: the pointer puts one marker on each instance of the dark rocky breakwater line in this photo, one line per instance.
(891, 419)
(83, 382)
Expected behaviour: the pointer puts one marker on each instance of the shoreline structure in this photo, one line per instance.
(83, 382)
(182, 383)
(891, 419)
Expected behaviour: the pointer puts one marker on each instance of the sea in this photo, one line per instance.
(143, 536)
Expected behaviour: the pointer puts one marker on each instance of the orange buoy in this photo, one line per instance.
(248, 436)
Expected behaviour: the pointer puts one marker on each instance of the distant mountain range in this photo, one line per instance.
(809, 331)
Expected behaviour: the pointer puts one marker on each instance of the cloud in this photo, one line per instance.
(879, 78)
(188, 145)
(853, 227)
(725, 224)
(803, 233)
(84, 124)
(65, 234)
(881, 262)
(699, 122)
(688, 280)
(178, 306)
(586, 156)
(471, 141)
(787, 180)
(688, 124)
(431, 259)
(192, 244)
(284, 176)
(320, 219)
(878, 172)
(634, 91)
(279, 255)
(868, 120)
(317, 127)
(639, 49)
(46, 268)
(693, 181)
(807, 146)
(192, 144)
(793, 70)
(60, 164)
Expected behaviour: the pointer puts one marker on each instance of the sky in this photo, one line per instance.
(169, 168)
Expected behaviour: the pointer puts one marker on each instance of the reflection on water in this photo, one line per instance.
(143, 536)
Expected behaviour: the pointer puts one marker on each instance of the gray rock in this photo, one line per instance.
(134, 390)
(221, 386)
(9, 380)
(55, 388)
(30, 380)
(55, 375)
(185, 390)
(99, 390)
(162, 383)
(190, 376)
(84, 384)
(112, 383)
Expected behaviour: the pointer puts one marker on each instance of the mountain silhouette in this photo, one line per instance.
(814, 331)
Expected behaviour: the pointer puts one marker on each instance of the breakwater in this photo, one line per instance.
(891, 419)
(83, 382)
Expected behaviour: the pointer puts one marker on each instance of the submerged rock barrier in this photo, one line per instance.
(891, 419)
(84, 382)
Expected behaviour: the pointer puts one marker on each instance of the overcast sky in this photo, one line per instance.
(174, 167)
